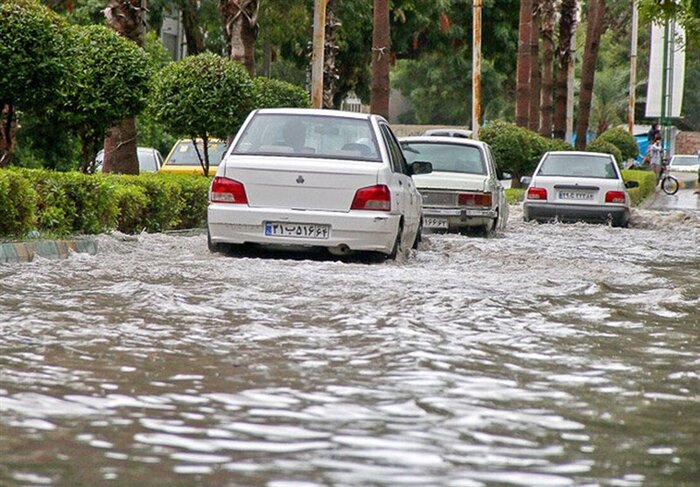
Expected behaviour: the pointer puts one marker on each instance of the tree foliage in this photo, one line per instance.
(32, 55)
(111, 81)
(201, 96)
(623, 140)
(274, 93)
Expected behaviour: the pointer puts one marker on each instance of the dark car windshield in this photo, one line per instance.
(318, 136)
(446, 157)
(184, 153)
(577, 165)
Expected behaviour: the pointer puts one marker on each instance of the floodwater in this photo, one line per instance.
(552, 355)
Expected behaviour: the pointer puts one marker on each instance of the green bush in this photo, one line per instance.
(599, 145)
(71, 202)
(517, 149)
(17, 204)
(75, 203)
(515, 195)
(647, 184)
(623, 140)
(132, 204)
(274, 93)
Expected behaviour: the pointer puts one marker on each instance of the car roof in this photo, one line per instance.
(317, 112)
(578, 153)
(432, 139)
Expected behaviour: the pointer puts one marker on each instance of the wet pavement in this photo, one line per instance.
(551, 355)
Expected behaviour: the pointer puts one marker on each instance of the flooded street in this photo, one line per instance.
(552, 355)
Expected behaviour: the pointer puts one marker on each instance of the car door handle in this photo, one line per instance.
(400, 183)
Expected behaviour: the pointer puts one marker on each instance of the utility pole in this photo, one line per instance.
(317, 60)
(476, 67)
(633, 67)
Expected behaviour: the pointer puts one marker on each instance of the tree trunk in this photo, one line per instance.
(522, 82)
(535, 75)
(240, 18)
(546, 94)
(190, 24)
(330, 70)
(120, 148)
(596, 25)
(127, 17)
(567, 26)
(8, 127)
(381, 45)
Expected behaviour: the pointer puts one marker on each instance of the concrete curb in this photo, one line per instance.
(49, 249)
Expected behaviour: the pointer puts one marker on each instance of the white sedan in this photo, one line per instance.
(464, 191)
(304, 178)
(577, 186)
(684, 163)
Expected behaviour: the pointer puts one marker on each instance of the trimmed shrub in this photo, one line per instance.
(604, 147)
(17, 204)
(132, 204)
(274, 93)
(72, 202)
(623, 140)
(515, 195)
(517, 149)
(647, 184)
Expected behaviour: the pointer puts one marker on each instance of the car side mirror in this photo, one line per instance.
(631, 184)
(420, 167)
(526, 180)
(502, 176)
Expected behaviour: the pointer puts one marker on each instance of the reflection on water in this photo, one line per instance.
(553, 355)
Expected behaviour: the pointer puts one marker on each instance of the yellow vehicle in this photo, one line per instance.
(183, 159)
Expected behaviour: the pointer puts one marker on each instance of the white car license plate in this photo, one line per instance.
(301, 230)
(431, 222)
(575, 195)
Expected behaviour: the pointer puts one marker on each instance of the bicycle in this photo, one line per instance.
(669, 184)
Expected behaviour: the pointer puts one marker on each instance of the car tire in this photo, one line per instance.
(397, 244)
(214, 247)
(419, 236)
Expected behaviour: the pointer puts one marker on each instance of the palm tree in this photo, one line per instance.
(330, 69)
(522, 82)
(609, 99)
(128, 18)
(381, 51)
(567, 30)
(546, 84)
(240, 18)
(594, 30)
(535, 73)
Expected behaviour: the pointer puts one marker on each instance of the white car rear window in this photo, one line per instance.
(314, 136)
(576, 165)
(446, 157)
(685, 160)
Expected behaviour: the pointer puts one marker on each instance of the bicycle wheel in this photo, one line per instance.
(670, 185)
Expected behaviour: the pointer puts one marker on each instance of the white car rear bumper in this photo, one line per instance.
(358, 230)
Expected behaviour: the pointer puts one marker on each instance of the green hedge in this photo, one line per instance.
(647, 184)
(74, 203)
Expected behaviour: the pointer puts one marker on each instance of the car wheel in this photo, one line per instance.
(397, 244)
(419, 235)
(214, 247)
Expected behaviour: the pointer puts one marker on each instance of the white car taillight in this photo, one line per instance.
(615, 197)
(537, 194)
(377, 198)
(224, 190)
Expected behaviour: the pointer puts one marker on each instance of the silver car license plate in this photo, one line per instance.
(575, 195)
(432, 222)
(300, 230)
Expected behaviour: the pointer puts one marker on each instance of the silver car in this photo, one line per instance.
(464, 191)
